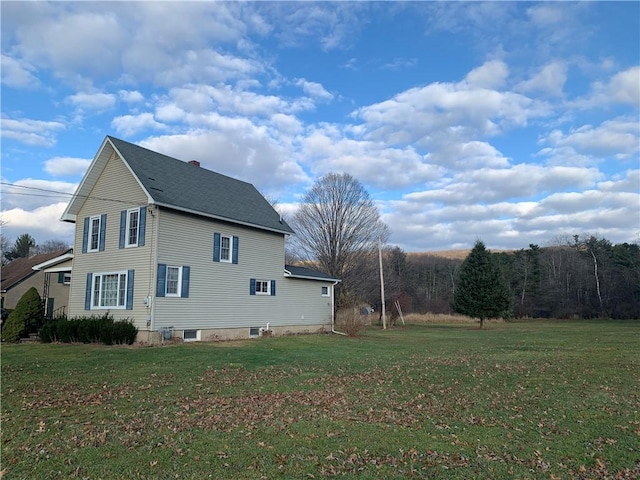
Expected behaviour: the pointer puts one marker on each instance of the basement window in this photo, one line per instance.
(191, 335)
(254, 332)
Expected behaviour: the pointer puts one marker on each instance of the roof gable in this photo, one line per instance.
(172, 183)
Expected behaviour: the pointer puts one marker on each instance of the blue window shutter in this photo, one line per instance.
(103, 229)
(273, 288)
(142, 226)
(87, 293)
(234, 258)
(60, 277)
(129, 301)
(252, 286)
(85, 235)
(216, 247)
(123, 227)
(162, 280)
(186, 271)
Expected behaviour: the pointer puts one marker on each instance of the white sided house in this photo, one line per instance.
(186, 252)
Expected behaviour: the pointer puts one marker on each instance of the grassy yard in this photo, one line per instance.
(538, 399)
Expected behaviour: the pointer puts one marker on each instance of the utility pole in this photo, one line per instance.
(384, 313)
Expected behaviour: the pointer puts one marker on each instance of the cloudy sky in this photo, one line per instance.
(513, 123)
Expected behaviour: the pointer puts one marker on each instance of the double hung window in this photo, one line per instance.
(225, 248)
(94, 234)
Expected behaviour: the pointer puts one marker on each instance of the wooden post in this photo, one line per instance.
(384, 314)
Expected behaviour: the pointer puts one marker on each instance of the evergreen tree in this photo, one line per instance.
(24, 244)
(26, 318)
(481, 291)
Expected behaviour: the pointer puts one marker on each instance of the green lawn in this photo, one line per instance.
(538, 399)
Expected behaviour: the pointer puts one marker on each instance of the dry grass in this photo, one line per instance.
(440, 318)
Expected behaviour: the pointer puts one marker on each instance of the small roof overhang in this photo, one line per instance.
(57, 264)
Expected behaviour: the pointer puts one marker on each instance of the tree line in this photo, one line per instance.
(585, 277)
(339, 231)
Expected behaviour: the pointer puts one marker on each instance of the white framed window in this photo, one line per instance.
(254, 332)
(94, 234)
(225, 248)
(325, 291)
(66, 279)
(109, 290)
(191, 335)
(263, 287)
(132, 228)
(174, 281)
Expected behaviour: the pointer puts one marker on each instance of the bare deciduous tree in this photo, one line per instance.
(336, 224)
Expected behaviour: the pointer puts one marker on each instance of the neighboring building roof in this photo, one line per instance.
(172, 183)
(22, 268)
(295, 271)
(61, 263)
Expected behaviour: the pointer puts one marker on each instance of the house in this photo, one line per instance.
(53, 286)
(185, 252)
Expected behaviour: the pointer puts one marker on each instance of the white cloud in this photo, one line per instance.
(445, 112)
(17, 73)
(131, 96)
(617, 138)
(32, 132)
(492, 74)
(129, 125)
(29, 193)
(550, 80)
(236, 148)
(66, 166)
(314, 89)
(41, 223)
(98, 101)
(621, 88)
(624, 86)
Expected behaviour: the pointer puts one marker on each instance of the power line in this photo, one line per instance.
(56, 193)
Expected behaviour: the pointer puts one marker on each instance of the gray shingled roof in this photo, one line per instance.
(176, 184)
(304, 272)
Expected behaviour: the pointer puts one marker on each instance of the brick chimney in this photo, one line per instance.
(194, 162)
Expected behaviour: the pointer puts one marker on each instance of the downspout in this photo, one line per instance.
(333, 310)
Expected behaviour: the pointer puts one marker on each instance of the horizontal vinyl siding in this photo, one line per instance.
(303, 303)
(218, 292)
(119, 186)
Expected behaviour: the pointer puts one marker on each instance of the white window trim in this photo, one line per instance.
(128, 224)
(66, 279)
(259, 292)
(230, 238)
(166, 282)
(93, 292)
(197, 339)
(90, 233)
(325, 294)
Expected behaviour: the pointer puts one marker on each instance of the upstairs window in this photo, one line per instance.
(225, 248)
(325, 291)
(93, 234)
(132, 227)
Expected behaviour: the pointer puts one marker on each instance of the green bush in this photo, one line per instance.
(90, 329)
(26, 318)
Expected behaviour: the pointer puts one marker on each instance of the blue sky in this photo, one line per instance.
(513, 123)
